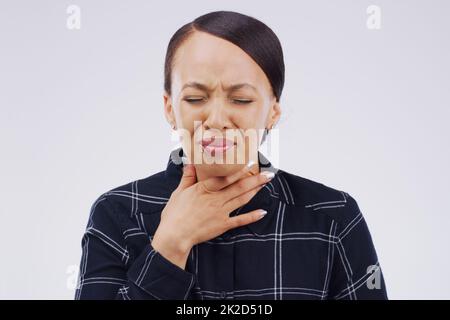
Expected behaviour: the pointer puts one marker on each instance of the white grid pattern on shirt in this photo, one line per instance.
(278, 237)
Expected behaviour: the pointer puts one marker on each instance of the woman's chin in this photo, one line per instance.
(217, 169)
(219, 164)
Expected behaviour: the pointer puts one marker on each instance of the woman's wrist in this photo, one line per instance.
(174, 250)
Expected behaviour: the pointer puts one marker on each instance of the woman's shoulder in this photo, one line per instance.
(318, 198)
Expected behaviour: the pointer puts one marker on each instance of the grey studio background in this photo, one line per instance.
(365, 110)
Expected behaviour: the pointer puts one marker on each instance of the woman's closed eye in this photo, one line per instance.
(199, 100)
(242, 101)
(194, 100)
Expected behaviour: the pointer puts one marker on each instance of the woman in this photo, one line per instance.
(221, 222)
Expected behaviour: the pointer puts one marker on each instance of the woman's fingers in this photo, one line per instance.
(246, 184)
(245, 218)
(241, 199)
(218, 183)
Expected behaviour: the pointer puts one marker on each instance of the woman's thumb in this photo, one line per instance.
(189, 177)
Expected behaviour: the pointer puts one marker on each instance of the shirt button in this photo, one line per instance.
(223, 294)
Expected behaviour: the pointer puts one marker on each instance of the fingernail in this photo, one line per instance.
(262, 213)
(250, 164)
(268, 174)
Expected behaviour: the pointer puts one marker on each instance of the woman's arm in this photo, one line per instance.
(195, 212)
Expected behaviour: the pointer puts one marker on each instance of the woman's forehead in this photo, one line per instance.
(201, 47)
(209, 59)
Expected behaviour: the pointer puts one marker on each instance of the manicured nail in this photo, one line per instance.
(250, 164)
(262, 213)
(268, 174)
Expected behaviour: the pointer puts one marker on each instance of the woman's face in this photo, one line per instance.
(221, 101)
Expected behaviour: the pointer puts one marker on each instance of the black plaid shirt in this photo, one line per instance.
(313, 243)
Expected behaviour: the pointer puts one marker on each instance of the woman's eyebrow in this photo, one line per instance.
(200, 86)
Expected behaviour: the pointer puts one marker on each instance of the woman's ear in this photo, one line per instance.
(168, 111)
(274, 115)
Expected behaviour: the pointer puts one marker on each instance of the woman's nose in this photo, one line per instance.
(217, 117)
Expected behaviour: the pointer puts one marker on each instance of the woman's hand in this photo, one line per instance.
(199, 211)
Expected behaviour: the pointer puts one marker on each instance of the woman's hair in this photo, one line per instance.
(249, 34)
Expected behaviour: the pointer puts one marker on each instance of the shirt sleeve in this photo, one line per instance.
(356, 272)
(106, 270)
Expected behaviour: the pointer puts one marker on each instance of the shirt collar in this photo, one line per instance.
(268, 198)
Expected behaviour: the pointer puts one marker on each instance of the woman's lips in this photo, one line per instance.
(215, 145)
